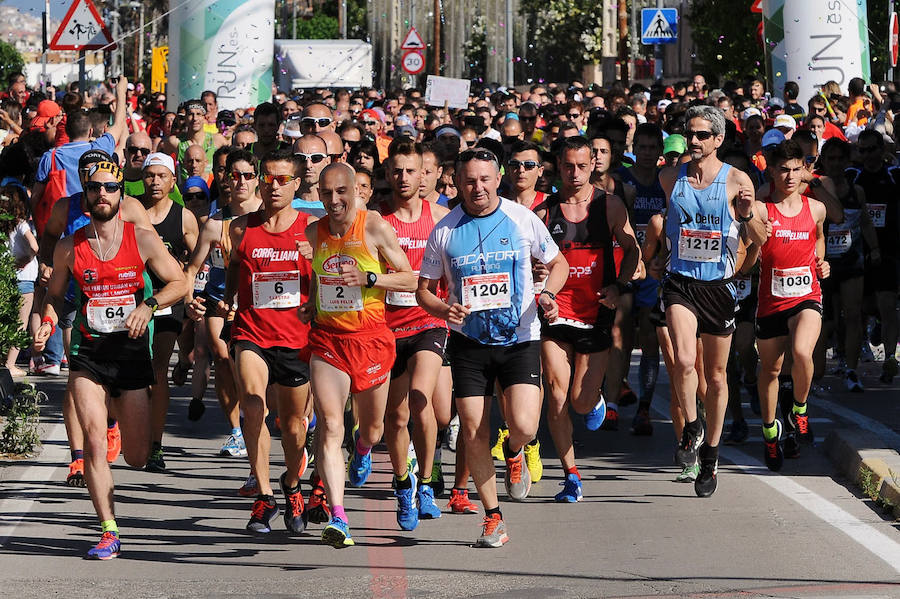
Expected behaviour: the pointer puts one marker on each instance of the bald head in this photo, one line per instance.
(194, 161)
(310, 144)
(137, 148)
(339, 173)
(334, 145)
(512, 128)
(316, 118)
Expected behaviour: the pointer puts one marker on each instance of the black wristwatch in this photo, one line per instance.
(816, 182)
(549, 294)
(371, 277)
(151, 303)
(745, 219)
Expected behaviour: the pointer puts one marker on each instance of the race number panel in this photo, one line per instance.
(876, 214)
(336, 296)
(792, 282)
(697, 245)
(486, 292)
(276, 289)
(839, 240)
(108, 314)
(742, 287)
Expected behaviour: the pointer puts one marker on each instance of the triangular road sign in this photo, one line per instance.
(756, 7)
(658, 28)
(81, 29)
(412, 41)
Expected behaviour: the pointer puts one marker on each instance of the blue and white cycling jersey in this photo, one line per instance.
(486, 261)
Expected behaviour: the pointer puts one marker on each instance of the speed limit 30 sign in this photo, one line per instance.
(413, 62)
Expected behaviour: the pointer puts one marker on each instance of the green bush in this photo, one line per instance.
(21, 428)
(10, 300)
(10, 61)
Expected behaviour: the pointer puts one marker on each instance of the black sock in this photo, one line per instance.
(460, 489)
(406, 483)
(110, 422)
(155, 446)
(266, 498)
(709, 453)
(492, 511)
(77, 454)
(533, 442)
(693, 427)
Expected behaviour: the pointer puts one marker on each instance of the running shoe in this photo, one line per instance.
(866, 354)
(571, 492)
(518, 480)
(310, 446)
(641, 425)
(533, 461)
(317, 510)
(738, 433)
(800, 423)
(593, 420)
(250, 488)
(453, 433)
(493, 532)
(459, 502)
(156, 462)
(109, 547)
(234, 447)
(180, 373)
(773, 452)
(437, 478)
(113, 442)
(889, 370)
(407, 512)
(46, 370)
(611, 422)
(76, 474)
(262, 515)
(196, 409)
(337, 534)
(851, 381)
(688, 474)
(293, 508)
(497, 449)
(706, 483)
(687, 449)
(626, 395)
(359, 466)
(427, 509)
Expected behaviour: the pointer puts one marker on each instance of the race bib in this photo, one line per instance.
(108, 314)
(696, 245)
(202, 278)
(216, 257)
(403, 299)
(640, 231)
(486, 292)
(276, 289)
(838, 241)
(336, 296)
(792, 282)
(742, 287)
(876, 214)
(163, 312)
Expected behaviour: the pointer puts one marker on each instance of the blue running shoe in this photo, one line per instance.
(108, 547)
(593, 420)
(407, 513)
(427, 509)
(571, 492)
(337, 534)
(359, 467)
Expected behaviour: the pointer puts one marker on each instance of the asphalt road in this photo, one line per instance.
(804, 532)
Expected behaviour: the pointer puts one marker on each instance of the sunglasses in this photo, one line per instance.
(133, 150)
(370, 123)
(478, 154)
(195, 196)
(810, 159)
(526, 164)
(314, 158)
(312, 121)
(248, 175)
(351, 143)
(227, 123)
(701, 135)
(508, 139)
(471, 144)
(109, 186)
(282, 179)
(573, 115)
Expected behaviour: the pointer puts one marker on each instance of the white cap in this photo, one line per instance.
(750, 112)
(786, 121)
(160, 159)
(663, 104)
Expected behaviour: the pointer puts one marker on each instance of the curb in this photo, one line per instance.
(872, 466)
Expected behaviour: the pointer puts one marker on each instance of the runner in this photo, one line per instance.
(790, 300)
(195, 135)
(421, 339)
(352, 348)
(583, 221)
(707, 201)
(177, 227)
(524, 169)
(271, 280)
(108, 260)
(483, 250)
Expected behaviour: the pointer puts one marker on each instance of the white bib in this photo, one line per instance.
(336, 296)
(216, 257)
(202, 278)
(876, 214)
(743, 287)
(403, 299)
(276, 289)
(108, 314)
(792, 282)
(839, 240)
(696, 245)
(640, 231)
(486, 292)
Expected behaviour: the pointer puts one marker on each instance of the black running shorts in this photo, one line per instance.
(476, 367)
(712, 302)
(433, 340)
(284, 364)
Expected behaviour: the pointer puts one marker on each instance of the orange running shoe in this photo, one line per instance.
(460, 504)
(113, 442)
(317, 510)
(76, 474)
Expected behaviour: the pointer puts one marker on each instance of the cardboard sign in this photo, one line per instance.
(455, 92)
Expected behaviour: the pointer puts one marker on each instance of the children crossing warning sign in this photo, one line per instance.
(659, 26)
(81, 29)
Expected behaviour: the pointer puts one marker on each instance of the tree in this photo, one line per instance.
(10, 61)
(725, 37)
(567, 34)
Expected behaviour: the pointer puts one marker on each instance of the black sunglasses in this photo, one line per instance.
(109, 186)
(311, 121)
(136, 150)
(526, 164)
(248, 175)
(194, 196)
(701, 135)
(478, 154)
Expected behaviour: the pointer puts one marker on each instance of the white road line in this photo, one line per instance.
(55, 452)
(886, 434)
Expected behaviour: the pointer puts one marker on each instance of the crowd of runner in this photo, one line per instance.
(358, 267)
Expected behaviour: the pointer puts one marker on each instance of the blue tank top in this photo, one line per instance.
(75, 219)
(701, 233)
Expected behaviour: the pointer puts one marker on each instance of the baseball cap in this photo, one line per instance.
(446, 130)
(786, 121)
(372, 114)
(405, 131)
(750, 112)
(46, 110)
(772, 137)
(160, 159)
(663, 104)
(674, 143)
(92, 156)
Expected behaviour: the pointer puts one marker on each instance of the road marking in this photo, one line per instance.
(54, 452)
(873, 426)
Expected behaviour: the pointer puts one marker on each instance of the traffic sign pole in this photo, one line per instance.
(658, 56)
(81, 73)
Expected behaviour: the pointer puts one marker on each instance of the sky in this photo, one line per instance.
(57, 7)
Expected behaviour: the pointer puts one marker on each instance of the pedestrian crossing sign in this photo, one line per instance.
(659, 26)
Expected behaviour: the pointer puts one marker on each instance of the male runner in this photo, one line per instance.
(352, 348)
(707, 202)
(483, 250)
(524, 168)
(110, 350)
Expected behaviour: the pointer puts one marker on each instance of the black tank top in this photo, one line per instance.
(171, 231)
(590, 234)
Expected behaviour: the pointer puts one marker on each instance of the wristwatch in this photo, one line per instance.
(371, 277)
(549, 294)
(151, 303)
(745, 219)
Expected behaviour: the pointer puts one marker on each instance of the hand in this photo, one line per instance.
(744, 204)
(656, 268)
(196, 310)
(44, 273)
(456, 314)
(640, 272)
(305, 249)
(769, 227)
(121, 86)
(136, 322)
(306, 312)
(539, 271)
(875, 257)
(223, 310)
(549, 306)
(41, 335)
(352, 276)
(609, 296)
(823, 269)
